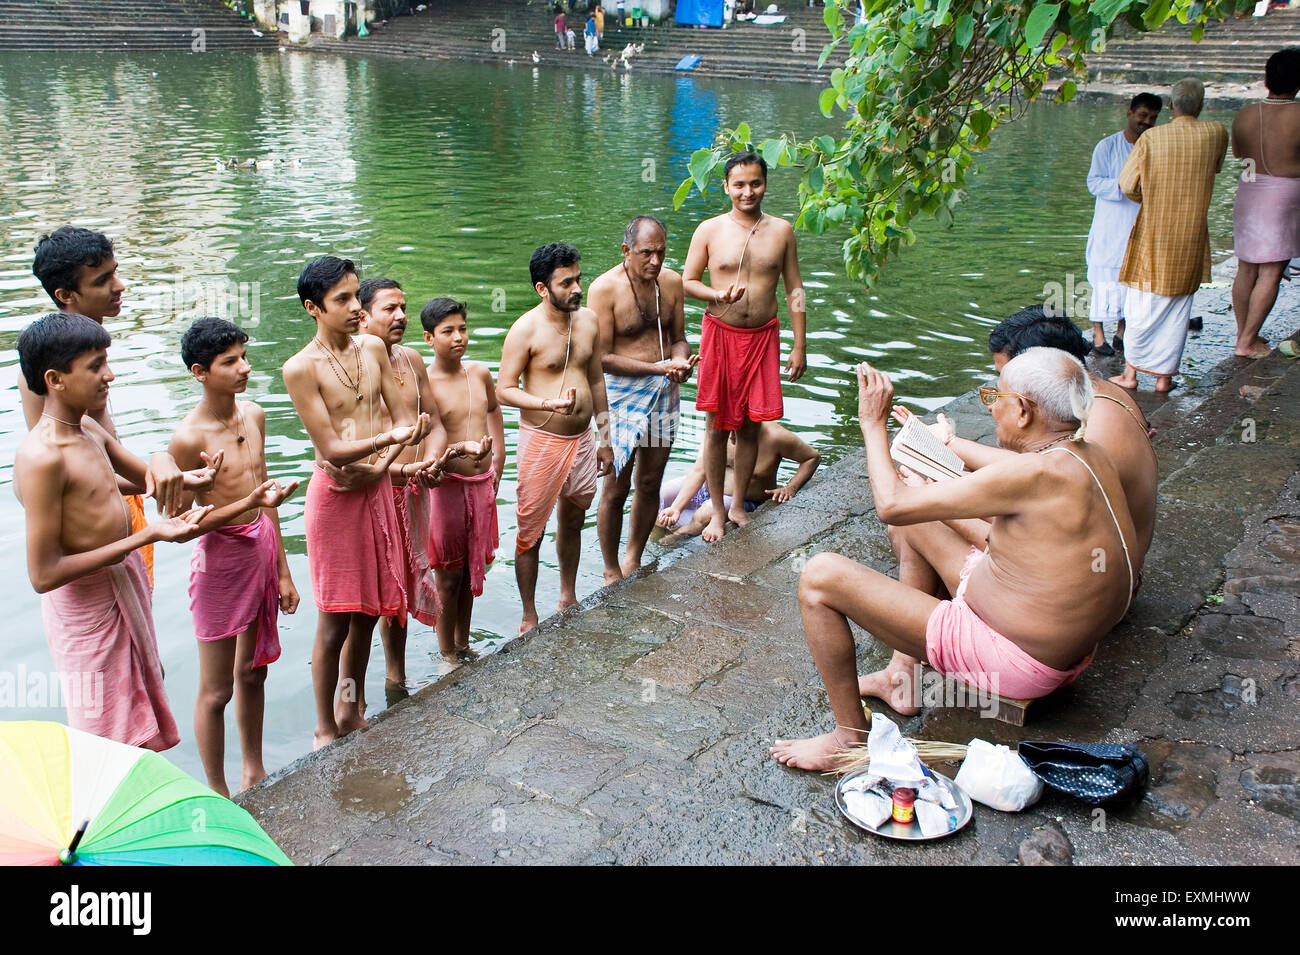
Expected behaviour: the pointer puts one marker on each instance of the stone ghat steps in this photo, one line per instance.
(115, 25)
(1232, 51)
(463, 31)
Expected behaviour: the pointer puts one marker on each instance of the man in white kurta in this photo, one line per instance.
(1112, 220)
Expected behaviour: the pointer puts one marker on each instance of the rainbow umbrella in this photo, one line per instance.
(70, 798)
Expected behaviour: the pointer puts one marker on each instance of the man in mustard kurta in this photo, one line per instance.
(1170, 173)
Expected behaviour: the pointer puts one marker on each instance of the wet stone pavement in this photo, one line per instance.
(634, 728)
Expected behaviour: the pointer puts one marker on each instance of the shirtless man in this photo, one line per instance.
(340, 386)
(689, 511)
(554, 349)
(643, 348)
(463, 531)
(1026, 617)
(745, 252)
(383, 315)
(78, 270)
(81, 551)
(1266, 212)
(1116, 423)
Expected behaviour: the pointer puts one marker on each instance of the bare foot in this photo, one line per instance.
(219, 787)
(566, 602)
(717, 527)
(613, 576)
(894, 687)
(527, 623)
(319, 740)
(451, 658)
(630, 565)
(738, 515)
(1256, 349)
(465, 655)
(815, 753)
(1164, 385)
(1124, 381)
(251, 777)
(351, 721)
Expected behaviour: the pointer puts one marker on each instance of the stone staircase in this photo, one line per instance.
(95, 26)
(463, 30)
(1233, 51)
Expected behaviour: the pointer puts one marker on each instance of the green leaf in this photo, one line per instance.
(701, 165)
(835, 212)
(826, 102)
(941, 10)
(1198, 31)
(1157, 13)
(1059, 41)
(742, 133)
(1039, 22)
(944, 217)
(1067, 91)
(816, 178)
(825, 145)
(770, 150)
(965, 29)
(680, 195)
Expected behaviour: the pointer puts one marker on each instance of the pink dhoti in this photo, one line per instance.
(411, 502)
(235, 582)
(463, 525)
(959, 644)
(550, 466)
(100, 631)
(354, 549)
(1266, 219)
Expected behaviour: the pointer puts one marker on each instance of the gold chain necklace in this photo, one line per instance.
(337, 366)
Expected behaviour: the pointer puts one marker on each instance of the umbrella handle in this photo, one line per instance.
(69, 855)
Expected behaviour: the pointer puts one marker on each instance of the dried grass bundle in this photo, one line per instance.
(930, 751)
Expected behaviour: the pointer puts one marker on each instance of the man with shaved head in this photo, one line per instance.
(1025, 616)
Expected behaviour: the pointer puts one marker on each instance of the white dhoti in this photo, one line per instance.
(1156, 330)
(1107, 302)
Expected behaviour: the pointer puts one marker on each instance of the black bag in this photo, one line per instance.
(1097, 773)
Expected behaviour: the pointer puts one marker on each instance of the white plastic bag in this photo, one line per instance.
(997, 777)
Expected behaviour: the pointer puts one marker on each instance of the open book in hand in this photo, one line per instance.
(917, 448)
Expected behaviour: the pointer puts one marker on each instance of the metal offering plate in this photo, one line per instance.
(912, 831)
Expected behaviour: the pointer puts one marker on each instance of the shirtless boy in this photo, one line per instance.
(81, 552)
(78, 270)
(463, 508)
(383, 315)
(340, 386)
(690, 508)
(745, 252)
(239, 575)
(643, 348)
(1026, 617)
(554, 349)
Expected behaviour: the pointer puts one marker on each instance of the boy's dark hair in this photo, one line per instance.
(1282, 71)
(1032, 327)
(62, 253)
(55, 341)
(547, 258)
(372, 287)
(320, 275)
(744, 159)
(207, 338)
(1149, 100)
(438, 309)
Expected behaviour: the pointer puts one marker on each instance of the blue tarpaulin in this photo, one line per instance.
(693, 13)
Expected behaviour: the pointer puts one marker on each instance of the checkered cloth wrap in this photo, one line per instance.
(643, 412)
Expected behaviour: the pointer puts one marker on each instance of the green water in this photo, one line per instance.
(446, 177)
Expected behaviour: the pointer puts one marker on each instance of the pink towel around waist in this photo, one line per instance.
(411, 502)
(550, 466)
(100, 631)
(353, 549)
(234, 582)
(463, 525)
(1266, 219)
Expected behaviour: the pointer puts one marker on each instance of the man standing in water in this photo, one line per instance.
(638, 306)
(745, 252)
(340, 386)
(554, 348)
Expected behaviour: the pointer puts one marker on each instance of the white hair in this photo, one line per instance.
(1055, 381)
(1187, 96)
